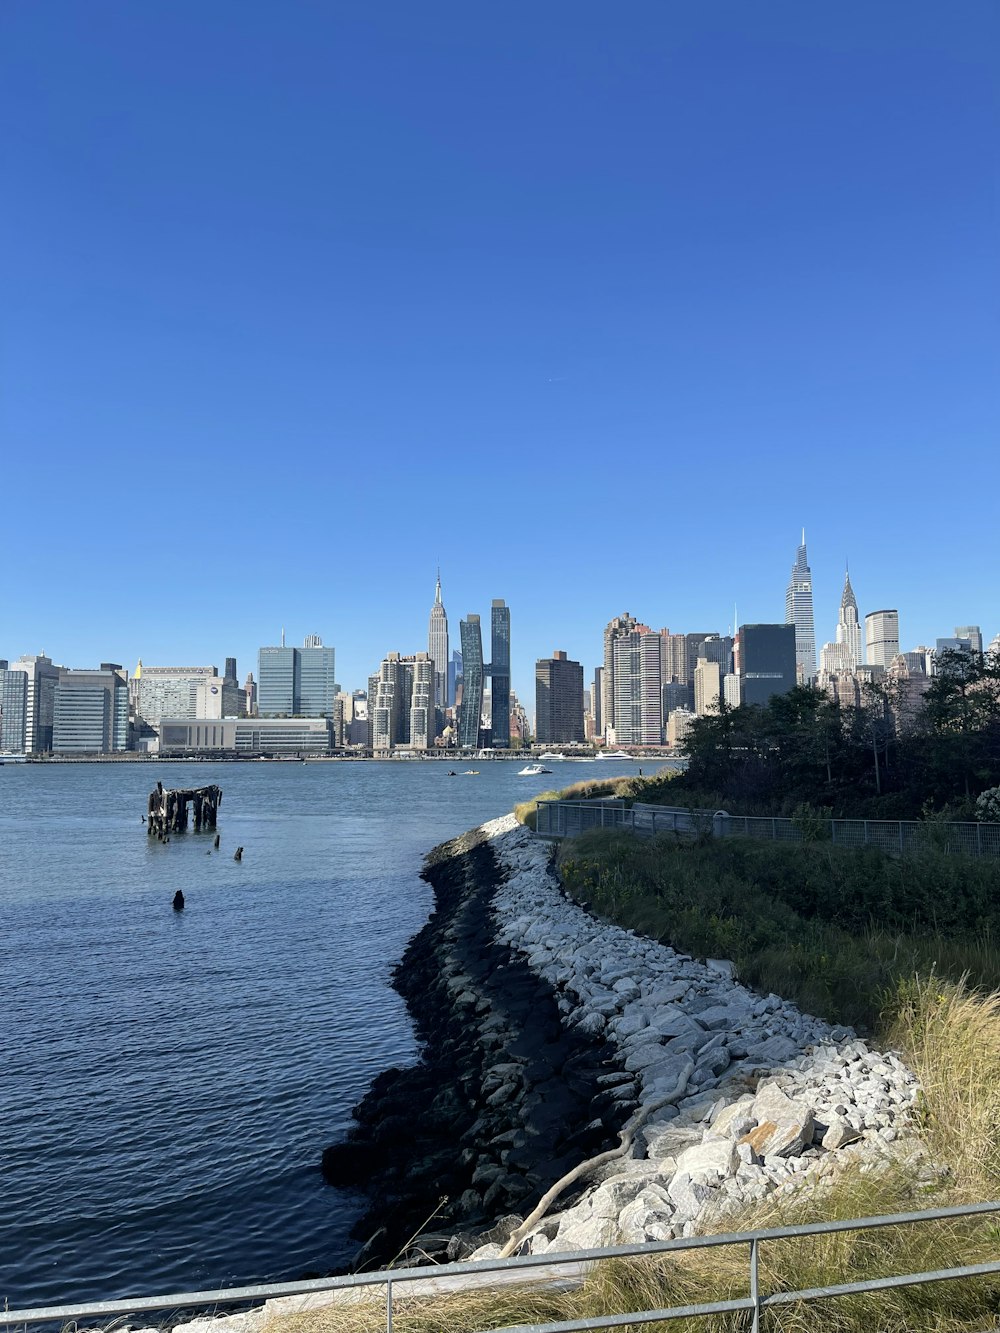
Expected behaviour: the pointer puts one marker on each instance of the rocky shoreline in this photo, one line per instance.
(505, 1098)
(545, 1031)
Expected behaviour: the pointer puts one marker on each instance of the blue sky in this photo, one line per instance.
(595, 304)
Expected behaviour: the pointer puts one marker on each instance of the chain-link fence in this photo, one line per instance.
(568, 819)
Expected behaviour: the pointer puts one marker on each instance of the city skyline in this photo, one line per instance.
(353, 670)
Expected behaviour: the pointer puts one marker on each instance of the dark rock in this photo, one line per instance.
(426, 1140)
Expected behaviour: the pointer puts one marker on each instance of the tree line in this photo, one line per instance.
(892, 756)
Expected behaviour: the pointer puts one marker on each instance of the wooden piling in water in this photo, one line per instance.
(167, 810)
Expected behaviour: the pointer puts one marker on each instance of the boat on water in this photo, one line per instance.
(13, 759)
(471, 773)
(615, 754)
(543, 757)
(533, 770)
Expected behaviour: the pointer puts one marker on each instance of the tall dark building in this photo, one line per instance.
(500, 672)
(558, 701)
(231, 669)
(471, 711)
(765, 661)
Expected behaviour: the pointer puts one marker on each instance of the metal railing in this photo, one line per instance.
(568, 819)
(755, 1302)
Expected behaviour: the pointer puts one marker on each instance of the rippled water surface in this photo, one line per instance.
(168, 1080)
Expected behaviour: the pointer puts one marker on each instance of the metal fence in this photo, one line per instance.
(568, 819)
(491, 1275)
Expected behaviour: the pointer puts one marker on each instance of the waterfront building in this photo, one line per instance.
(499, 673)
(614, 630)
(42, 677)
(317, 680)
(558, 700)
(675, 695)
(90, 711)
(437, 647)
(848, 636)
(471, 708)
(881, 637)
(799, 612)
(596, 701)
(296, 682)
(278, 682)
(708, 677)
(13, 709)
(731, 693)
(230, 671)
(168, 691)
(403, 703)
(423, 710)
(766, 662)
(246, 736)
(638, 698)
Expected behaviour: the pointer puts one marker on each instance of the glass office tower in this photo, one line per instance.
(472, 683)
(500, 672)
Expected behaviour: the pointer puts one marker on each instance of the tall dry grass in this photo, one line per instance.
(950, 1037)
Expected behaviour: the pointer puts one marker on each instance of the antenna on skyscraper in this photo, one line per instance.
(282, 636)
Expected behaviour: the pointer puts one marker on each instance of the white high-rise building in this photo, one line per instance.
(437, 647)
(613, 630)
(799, 612)
(881, 637)
(849, 627)
(638, 693)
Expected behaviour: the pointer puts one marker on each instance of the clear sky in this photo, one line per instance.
(594, 304)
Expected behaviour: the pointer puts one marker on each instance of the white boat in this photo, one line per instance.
(552, 756)
(533, 770)
(616, 754)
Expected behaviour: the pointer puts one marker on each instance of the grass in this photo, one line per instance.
(834, 929)
(526, 811)
(700, 1276)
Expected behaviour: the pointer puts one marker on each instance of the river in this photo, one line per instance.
(168, 1080)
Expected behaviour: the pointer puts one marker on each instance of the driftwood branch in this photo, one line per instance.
(625, 1137)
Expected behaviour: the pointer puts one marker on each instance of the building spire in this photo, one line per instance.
(437, 591)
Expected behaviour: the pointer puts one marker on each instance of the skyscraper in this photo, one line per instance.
(638, 693)
(90, 713)
(558, 700)
(437, 647)
(613, 630)
(799, 612)
(500, 672)
(13, 709)
(973, 633)
(766, 661)
(317, 683)
(472, 682)
(849, 626)
(881, 637)
(296, 682)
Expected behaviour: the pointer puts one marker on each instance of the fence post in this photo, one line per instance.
(866, 832)
(899, 831)
(774, 830)
(388, 1305)
(979, 839)
(755, 1283)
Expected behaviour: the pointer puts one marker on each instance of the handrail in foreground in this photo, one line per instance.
(755, 1302)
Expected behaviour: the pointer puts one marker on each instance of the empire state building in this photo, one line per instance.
(437, 647)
